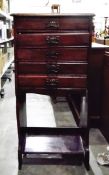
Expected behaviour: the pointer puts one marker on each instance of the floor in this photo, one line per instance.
(8, 136)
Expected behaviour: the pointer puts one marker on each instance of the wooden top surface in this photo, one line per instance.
(54, 14)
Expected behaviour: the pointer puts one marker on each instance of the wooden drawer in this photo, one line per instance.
(52, 68)
(50, 40)
(43, 81)
(51, 54)
(52, 23)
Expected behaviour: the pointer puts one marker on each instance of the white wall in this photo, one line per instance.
(99, 7)
(28, 5)
(33, 5)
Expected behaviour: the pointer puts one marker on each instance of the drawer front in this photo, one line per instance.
(51, 23)
(42, 81)
(51, 54)
(50, 40)
(52, 68)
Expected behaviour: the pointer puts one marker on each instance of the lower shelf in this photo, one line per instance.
(53, 150)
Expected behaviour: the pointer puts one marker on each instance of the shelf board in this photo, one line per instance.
(53, 150)
(6, 66)
(54, 144)
(5, 15)
(3, 82)
(6, 40)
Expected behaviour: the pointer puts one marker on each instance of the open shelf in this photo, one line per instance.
(7, 66)
(2, 41)
(53, 149)
(6, 42)
(5, 15)
(53, 144)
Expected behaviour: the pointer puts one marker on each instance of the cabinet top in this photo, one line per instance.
(54, 14)
(99, 46)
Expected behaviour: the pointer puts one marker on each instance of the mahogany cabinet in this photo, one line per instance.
(51, 57)
(97, 66)
(105, 97)
(96, 63)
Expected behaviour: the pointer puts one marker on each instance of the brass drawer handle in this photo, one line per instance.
(51, 83)
(52, 40)
(53, 25)
(53, 68)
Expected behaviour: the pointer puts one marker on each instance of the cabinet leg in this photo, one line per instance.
(21, 122)
(21, 148)
(19, 158)
(21, 110)
(86, 161)
(86, 148)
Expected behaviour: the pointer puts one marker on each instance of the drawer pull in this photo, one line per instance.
(51, 83)
(52, 40)
(53, 25)
(53, 68)
(52, 54)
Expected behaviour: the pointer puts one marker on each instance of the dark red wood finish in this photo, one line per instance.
(54, 68)
(52, 23)
(51, 57)
(105, 100)
(64, 54)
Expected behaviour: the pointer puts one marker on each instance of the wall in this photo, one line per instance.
(73, 5)
(100, 8)
(70, 5)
